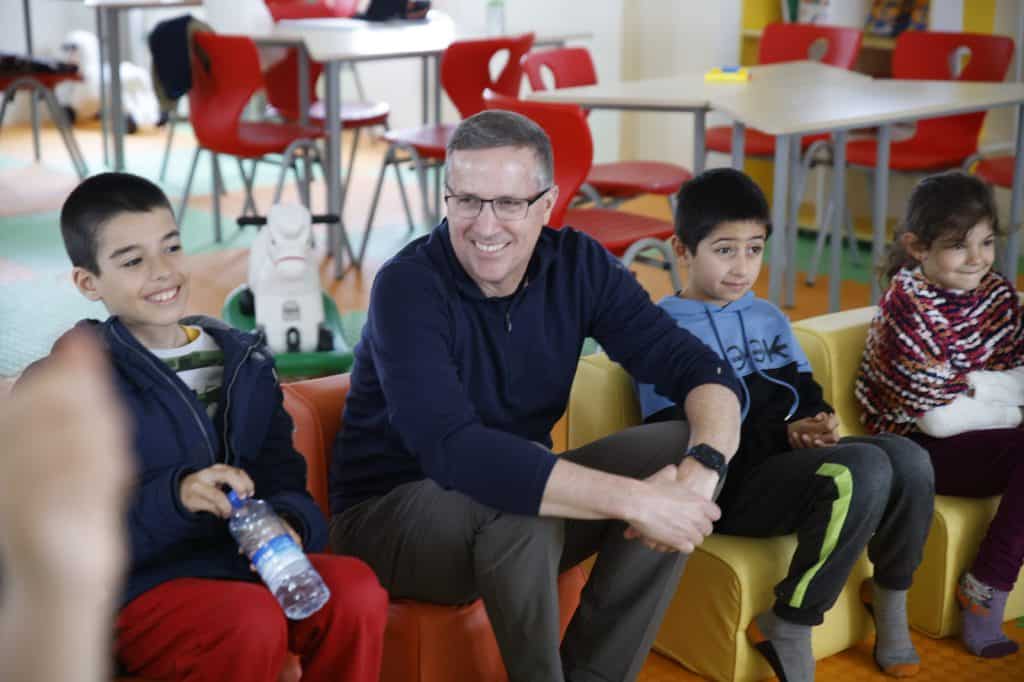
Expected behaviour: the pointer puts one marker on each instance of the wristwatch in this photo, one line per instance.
(709, 457)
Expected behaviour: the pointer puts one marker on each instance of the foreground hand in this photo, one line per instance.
(671, 516)
(64, 472)
(818, 431)
(203, 490)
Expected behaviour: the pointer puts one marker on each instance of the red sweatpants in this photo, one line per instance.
(197, 630)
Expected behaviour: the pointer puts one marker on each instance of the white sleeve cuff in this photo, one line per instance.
(968, 414)
(1003, 388)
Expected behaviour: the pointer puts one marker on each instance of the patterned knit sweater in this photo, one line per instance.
(924, 340)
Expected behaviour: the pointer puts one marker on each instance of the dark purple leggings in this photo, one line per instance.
(982, 464)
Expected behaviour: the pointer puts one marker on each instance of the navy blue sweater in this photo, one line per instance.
(174, 437)
(453, 386)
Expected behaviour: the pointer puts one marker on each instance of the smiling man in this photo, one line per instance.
(442, 478)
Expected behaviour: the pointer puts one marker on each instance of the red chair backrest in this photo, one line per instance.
(792, 42)
(928, 55)
(311, 9)
(220, 92)
(571, 144)
(569, 67)
(282, 83)
(466, 72)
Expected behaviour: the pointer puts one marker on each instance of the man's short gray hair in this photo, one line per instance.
(498, 128)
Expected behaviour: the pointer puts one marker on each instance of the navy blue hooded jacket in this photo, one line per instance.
(451, 385)
(757, 339)
(173, 436)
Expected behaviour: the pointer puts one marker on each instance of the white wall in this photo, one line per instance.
(663, 37)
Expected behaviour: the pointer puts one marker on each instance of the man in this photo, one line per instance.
(442, 479)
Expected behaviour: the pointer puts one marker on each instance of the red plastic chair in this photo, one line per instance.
(997, 171)
(465, 74)
(220, 91)
(311, 9)
(422, 642)
(938, 143)
(618, 180)
(624, 234)
(282, 89)
(786, 43)
(41, 85)
(946, 142)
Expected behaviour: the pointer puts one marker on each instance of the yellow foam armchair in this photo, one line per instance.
(728, 580)
(834, 345)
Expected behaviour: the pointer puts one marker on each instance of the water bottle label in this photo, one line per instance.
(276, 554)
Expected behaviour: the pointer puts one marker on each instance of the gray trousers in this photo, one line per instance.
(440, 546)
(874, 491)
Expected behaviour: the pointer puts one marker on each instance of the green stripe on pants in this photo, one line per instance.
(844, 487)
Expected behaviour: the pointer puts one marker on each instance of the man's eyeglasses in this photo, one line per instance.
(467, 206)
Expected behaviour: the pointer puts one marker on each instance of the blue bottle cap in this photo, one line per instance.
(236, 501)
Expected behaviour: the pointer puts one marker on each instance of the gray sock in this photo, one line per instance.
(894, 652)
(785, 644)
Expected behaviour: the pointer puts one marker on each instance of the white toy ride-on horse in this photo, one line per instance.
(284, 280)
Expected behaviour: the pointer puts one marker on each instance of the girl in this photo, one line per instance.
(942, 365)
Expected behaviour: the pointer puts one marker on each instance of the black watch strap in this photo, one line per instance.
(708, 457)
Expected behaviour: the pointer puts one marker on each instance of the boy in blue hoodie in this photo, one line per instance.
(792, 472)
(206, 413)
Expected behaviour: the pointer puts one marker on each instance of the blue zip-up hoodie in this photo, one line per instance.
(758, 341)
(453, 386)
(173, 436)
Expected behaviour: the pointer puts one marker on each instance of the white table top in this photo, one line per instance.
(141, 4)
(357, 39)
(691, 91)
(834, 105)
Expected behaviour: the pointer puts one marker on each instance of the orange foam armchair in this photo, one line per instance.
(423, 642)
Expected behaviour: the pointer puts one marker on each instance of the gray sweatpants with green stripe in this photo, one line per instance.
(874, 491)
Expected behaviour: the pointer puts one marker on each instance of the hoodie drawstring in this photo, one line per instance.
(796, 396)
(725, 357)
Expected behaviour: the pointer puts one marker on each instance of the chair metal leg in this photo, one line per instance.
(172, 121)
(667, 255)
(819, 244)
(405, 198)
(351, 164)
(249, 207)
(421, 175)
(389, 160)
(188, 187)
(64, 128)
(218, 187)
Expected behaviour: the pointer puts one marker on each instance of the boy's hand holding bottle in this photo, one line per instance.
(203, 490)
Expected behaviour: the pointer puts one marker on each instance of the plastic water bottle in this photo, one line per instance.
(280, 562)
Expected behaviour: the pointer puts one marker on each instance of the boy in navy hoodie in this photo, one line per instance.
(207, 414)
(792, 472)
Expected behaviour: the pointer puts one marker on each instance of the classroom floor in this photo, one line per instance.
(37, 301)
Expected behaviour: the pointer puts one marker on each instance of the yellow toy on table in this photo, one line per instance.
(727, 74)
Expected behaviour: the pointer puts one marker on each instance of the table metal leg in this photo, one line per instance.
(101, 36)
(1013, 243)
(304, 95)
(780, 193)
(739, 145)
(879, 207)
(437, 121)
(835, 275)
(699, 150)
(796, 189)
(116, 109)
(425, 88)
(338, 242)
